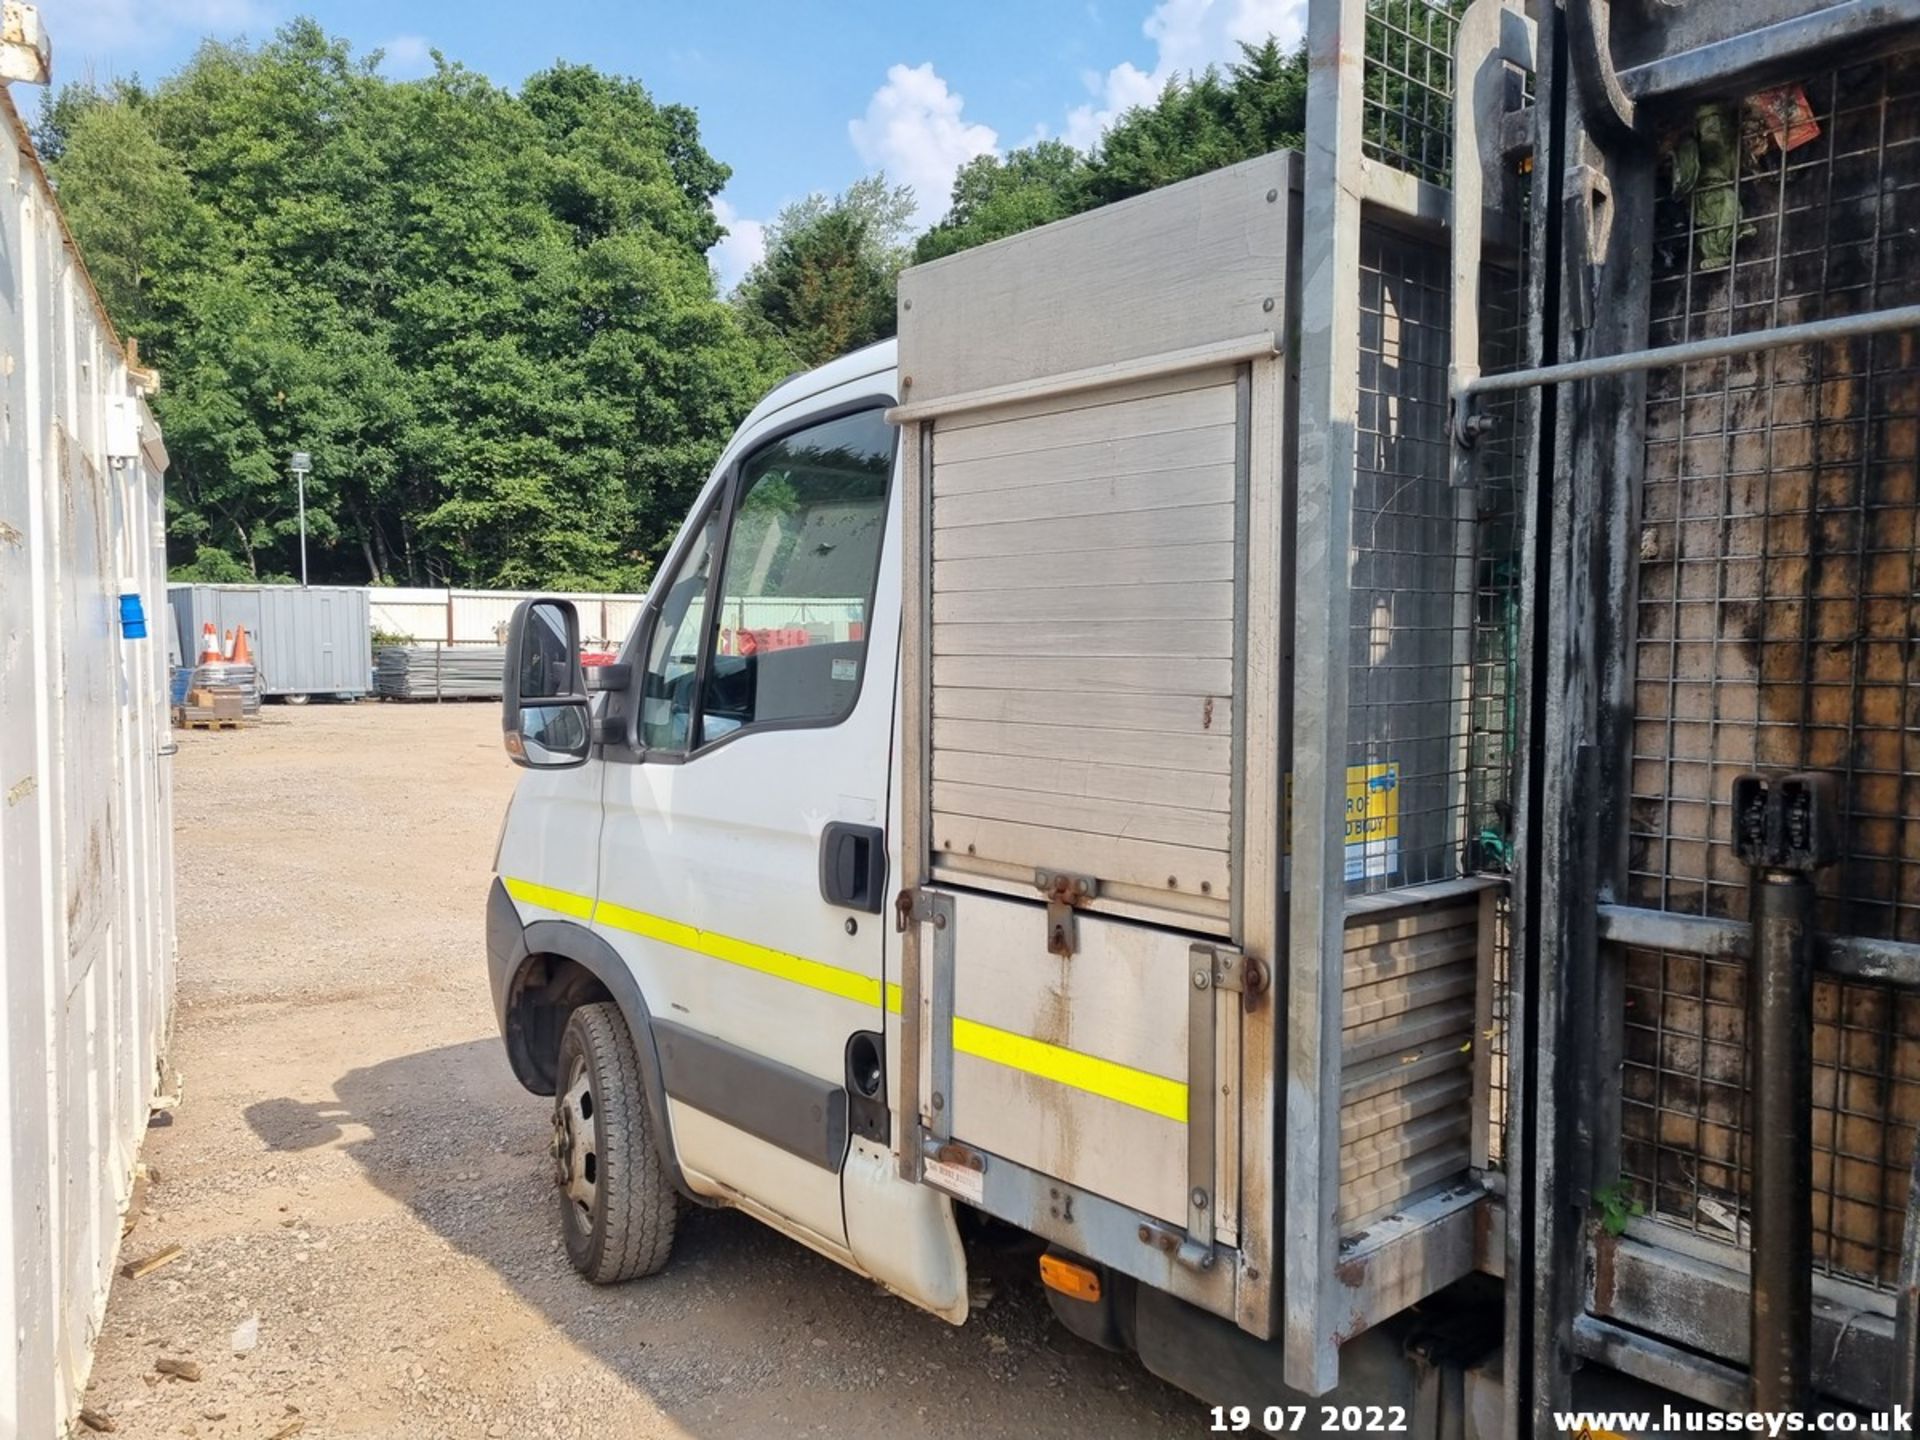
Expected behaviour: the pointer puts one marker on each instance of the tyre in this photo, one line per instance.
(295, 699)
(618, 1208)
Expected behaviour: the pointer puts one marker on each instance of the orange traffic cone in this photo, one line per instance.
(241, 654)
(210, 646)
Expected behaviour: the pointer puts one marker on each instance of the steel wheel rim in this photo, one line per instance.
(576, 1161)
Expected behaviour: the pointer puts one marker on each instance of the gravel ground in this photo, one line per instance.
(354, 1175)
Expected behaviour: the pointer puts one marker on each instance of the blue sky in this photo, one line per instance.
(796, 95)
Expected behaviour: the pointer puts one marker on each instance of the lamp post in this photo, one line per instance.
(302, 464)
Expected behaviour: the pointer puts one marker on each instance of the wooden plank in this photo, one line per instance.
(1391, 1150)
(1121, 818)
(1409, 923)
(1089, 779)
(1212, 600)
(1366, 1080)
(1384, 999)
(1059, 430)
(1091, 675)
(1382, 1192)
(1446, 1026)
(1095, 534)
(1485, 1078)
(1169, 270)
(1207, 753)
(1110, 458)
(1404, 957)
(1162, 714)
(1409, 1102)
(1170, 489)
(1204, 638)
(1134, 862)
(1162, 565)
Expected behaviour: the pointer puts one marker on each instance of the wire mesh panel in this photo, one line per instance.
(1434, 589)
(1408, 635)
(1407, 100)
(1685, 1123)
(1776, 627)
(1778, 565)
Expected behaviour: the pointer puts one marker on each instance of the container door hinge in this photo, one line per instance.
(1065, 894)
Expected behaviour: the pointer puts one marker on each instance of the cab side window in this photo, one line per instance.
(788, 635)
(673, 649)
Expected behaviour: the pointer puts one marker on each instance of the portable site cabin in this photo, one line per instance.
(306, 640)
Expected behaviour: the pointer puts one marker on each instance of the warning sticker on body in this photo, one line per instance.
(1373, 821)
(961, 1180)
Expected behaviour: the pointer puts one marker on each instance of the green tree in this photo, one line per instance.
(995, 196)
(826, 284)
(488, 316)
(1198, 123)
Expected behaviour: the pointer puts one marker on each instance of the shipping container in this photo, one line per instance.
(86, 869)
(306, 640)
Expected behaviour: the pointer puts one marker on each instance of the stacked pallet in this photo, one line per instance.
(220, 708)
(439, 672)
(226, 675)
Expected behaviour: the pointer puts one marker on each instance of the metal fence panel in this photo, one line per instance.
(86, 890)
(1779, 563)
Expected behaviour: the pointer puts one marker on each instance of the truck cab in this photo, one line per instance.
(705, 850)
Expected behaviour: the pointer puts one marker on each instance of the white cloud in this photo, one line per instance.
(1188, 36)
(914, 131)
(406, 57)
(743, 248)
(84, 30)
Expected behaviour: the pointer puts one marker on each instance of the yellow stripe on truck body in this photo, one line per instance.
(1089, 1073)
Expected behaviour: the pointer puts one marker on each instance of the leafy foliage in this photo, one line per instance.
(1615, 1204)
(1199, 123)
(489, 317)
(826, 284)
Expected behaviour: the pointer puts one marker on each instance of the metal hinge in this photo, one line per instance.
(1065, 894)
(908, 907)
(1217, 969)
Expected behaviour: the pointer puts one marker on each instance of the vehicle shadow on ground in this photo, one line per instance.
(744, 1328)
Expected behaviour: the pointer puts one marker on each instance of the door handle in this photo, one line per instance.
(853, 866)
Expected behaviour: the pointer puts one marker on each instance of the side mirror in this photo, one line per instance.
(544, 718)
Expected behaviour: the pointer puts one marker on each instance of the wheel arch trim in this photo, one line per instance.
(569, 940)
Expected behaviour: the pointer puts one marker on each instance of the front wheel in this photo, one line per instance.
(618, 1208)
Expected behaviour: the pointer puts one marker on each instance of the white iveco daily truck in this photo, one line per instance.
(1329, 741)
(924, 849)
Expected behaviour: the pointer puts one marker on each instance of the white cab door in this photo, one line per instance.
(766, 706)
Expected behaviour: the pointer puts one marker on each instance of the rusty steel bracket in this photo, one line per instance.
(1065, 894)
(1788, 822)
(1241, 974)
